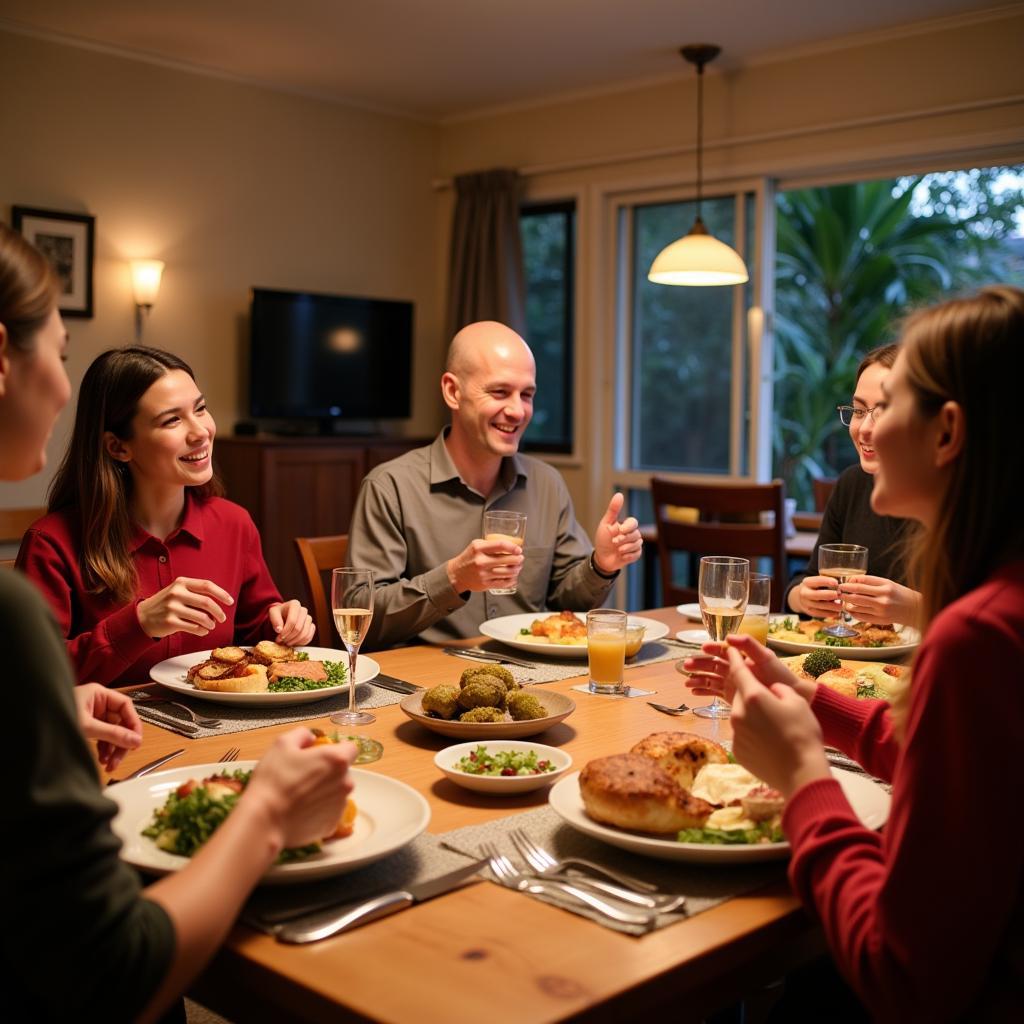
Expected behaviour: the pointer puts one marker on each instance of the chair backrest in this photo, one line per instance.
(730, 523)
(15, 521)
(318, 556)
(823, 487)
(6, 563)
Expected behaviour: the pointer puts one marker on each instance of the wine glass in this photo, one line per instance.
(841, 561)
(722, 587)
(352, 604)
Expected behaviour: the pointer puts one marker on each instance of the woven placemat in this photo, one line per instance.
(704, 886)
(242, 718)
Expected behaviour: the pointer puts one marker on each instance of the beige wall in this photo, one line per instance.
(893, 79)
(231, 186)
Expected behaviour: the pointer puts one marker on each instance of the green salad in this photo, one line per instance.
(505, 762)
(336, 676)
(764, 832)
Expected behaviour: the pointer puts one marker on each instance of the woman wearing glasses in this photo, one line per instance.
(880, 596)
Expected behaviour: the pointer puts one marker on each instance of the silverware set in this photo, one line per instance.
(145, 700)
(476, 654)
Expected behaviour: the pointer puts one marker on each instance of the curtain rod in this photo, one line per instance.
(535, 170)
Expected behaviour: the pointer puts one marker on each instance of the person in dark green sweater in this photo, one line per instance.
(881, 595)
(82, 939)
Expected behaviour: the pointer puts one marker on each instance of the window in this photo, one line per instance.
(548, 233)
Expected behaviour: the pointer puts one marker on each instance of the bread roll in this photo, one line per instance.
(253, 680)
(266, 652)
(681, 754)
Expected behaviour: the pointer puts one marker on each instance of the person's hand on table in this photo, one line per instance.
(108, 717)
(485, 564)
(876, 599)
(302, 785)
(184, 606)
(616, 544)
(718, 680)
(293, 625)
(774, 732)
(817, 597)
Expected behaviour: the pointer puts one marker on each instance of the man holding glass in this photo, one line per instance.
(419, 519)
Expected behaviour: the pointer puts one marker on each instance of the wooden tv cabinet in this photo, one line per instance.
(300, 487)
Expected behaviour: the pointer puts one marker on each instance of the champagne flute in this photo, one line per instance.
(722, 587)
(840, 562)
(352, 604)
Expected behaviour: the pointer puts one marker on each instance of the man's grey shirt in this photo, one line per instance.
(414, 513)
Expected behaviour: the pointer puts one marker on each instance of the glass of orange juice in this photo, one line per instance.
(509, 526)
(755, 617)
(606, 650)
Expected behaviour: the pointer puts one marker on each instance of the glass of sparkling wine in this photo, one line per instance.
(840, 562)
(507, 526)
(352, 604)
(722, 588)
(606, 650)
(755, 617)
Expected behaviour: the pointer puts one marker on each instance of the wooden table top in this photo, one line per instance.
(484, 952)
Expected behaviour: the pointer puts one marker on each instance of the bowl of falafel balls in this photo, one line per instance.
(486, 703)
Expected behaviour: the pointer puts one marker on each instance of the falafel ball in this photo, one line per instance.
(482, 692)
(523, 706)
(494, 671)
(481, 714)
(441, 701)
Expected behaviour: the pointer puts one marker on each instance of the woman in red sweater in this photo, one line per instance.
(926, 919)
(139, 557)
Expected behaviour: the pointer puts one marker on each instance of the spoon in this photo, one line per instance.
(681, 710)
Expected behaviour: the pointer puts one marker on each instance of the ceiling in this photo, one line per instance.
(442, 59)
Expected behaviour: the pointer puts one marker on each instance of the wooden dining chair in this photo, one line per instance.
(823, 487)
(318, 556)
(730, 523)
(15, 521)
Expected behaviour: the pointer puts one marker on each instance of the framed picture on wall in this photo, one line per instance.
(66, 240)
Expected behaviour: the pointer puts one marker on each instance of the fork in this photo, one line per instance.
(508, 875)
(548, 867)
(206, 723)
(681, 710)
(231, 754)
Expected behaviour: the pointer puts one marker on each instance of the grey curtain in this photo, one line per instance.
(486, 280)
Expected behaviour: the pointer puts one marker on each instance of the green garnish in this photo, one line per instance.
(506, 763)
(818, 662)
(787, 624)
(336, 675)
(764, 832)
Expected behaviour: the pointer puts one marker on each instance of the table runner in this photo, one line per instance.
(241, 718)
(704, 885)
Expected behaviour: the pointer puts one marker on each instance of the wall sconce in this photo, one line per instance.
(145, 285)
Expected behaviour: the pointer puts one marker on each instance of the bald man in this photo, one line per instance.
(418, 520)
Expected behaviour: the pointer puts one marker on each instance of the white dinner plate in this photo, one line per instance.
(389, 814)
(908, 633)
(507, 630)
(868, 799)
(171, 673)
(693, 636)
(690, 611)
(448, 758)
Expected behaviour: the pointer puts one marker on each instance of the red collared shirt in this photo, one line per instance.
(217, 541)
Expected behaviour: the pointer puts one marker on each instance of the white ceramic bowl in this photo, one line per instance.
(446, 760)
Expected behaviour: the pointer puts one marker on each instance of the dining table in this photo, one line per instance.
(485, 952)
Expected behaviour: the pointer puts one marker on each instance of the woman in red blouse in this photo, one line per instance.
(925, 920)
(139, 557)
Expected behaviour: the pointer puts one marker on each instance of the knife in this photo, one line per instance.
(391, 683)
(146, 768)
(478, 655)
(154, 717)
(325, 923)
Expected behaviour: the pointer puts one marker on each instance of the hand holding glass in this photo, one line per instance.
(508, 526)
(606, 650)
(840, 562)
(352, 604)
(722, 588)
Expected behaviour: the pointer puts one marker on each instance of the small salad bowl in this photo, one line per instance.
(448, 759)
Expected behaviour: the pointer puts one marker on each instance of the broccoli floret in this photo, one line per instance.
(818, 662)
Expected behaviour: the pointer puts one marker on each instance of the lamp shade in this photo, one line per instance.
(698, 258)
(146, 280)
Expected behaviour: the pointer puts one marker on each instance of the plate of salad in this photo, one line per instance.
(793, 635)
(502, 766)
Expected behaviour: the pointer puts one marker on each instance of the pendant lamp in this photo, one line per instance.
(698, 258)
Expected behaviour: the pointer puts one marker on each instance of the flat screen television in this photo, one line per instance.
(329, 357)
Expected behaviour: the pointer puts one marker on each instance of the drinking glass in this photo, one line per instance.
(755, 616)
(505, 525)
(840, 562)
(722, 587)
(606, 650)
(352, 604)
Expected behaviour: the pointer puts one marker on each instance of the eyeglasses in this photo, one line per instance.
(854, 413)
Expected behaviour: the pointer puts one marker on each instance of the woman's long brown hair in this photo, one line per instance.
(970, 351)
(95, 487)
